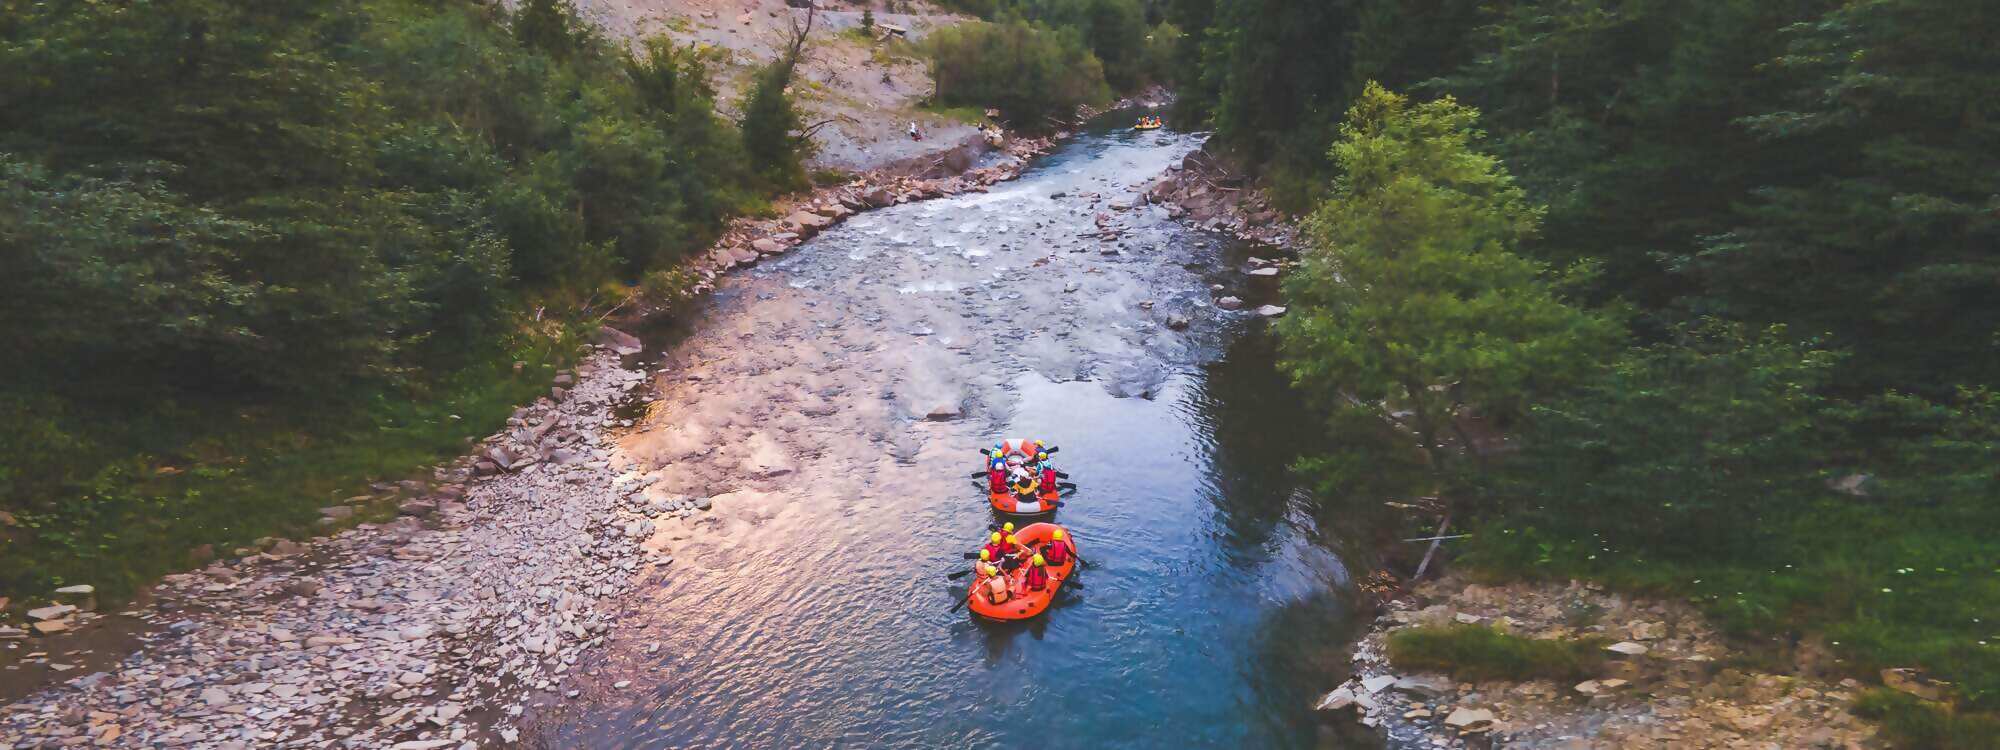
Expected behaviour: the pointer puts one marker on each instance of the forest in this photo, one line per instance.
(261, 250)
(1696, 300)
(1724, 275)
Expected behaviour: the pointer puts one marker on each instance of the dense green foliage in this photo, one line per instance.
(1826, 164)
(1706, 443)
(1796, 204)
(1121, 34)
(1031, 74)
(1910, 722)
(1473, 653)
(240, 231)
(1410, 301)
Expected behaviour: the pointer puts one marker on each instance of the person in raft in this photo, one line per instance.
(996, 588)
(1058, 550)
(995, 548)
(979, 566)
(1036, 577)
(1011, 551)
(996, 478)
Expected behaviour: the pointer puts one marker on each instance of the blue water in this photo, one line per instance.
(1215, 607)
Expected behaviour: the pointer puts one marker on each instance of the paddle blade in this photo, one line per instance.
(958, 575)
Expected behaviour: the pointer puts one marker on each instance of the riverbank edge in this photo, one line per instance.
(1668, 677)
(150, 699)
(1705, 704)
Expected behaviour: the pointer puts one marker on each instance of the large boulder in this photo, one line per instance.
(805, 222)
(1469, 719)
(623, 343)
(1423, 686)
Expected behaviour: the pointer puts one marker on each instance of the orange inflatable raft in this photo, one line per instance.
(1038, 499)
(1023, 603)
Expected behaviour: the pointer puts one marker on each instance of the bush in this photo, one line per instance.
(1472, 653)
(1033, 76)
(1913, 723)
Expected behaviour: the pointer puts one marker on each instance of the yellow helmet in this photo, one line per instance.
(1007, 527)
(986, 554)
(996, 537)
(1038, 442)
(1010, 539)
(1038, 560)
(1041, 457)
(1056, 535)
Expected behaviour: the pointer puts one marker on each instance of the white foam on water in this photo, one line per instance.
(929, 286)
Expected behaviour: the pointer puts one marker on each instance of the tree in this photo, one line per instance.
(1409, 303)
(548, 26)
(1882, 230)
(773, 131)
(868, 20)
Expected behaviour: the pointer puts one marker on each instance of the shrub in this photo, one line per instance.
(1031, 75)
(1473, 653)
(1910, 722)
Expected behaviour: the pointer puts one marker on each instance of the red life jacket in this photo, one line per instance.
(1035, 578)
(1048, 475)
(996, 482)
(1057, 552)
(994, 551)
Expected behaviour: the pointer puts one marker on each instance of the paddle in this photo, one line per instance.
(958, 575)
(962, 601)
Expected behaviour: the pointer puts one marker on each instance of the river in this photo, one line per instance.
(811, 608)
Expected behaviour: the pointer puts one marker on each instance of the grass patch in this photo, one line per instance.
(967, 115)
(1910, 722)
(1883, 588)
(1473, 653)
(179, 479)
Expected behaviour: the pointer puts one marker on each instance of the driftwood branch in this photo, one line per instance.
(1428, 554)
(1437, 538)
(814, 128)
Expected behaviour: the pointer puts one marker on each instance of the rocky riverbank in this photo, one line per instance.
(1671, 681)
(428, 631)
(1205, 192)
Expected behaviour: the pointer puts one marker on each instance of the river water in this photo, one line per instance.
(811, 608)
